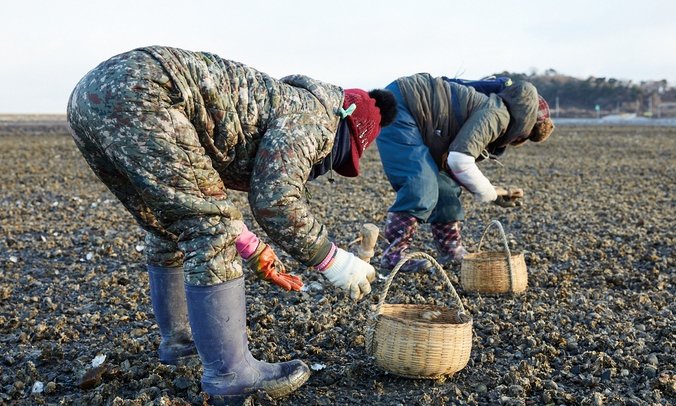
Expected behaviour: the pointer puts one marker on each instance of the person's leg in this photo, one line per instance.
(207, 226)
(156, 147)
(407, 163)
(411, 171)
(167, 294)
(218, 319)
(164, 261)
(446, 221)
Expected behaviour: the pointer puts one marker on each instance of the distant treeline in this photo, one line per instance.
(580, 97)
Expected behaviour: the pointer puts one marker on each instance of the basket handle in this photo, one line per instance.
(509, 254)
(415, 255)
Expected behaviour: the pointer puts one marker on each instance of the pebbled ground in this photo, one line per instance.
(596, 325)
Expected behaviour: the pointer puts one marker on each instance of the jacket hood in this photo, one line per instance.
(329, 95)
(521, 100)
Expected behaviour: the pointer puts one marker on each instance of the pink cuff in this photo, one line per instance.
(246, 243)
(326, 262)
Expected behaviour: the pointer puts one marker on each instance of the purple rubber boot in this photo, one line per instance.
(448, 241)
(399, 231)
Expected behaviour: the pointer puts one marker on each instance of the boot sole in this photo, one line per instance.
(289, 387)
(180, 360)
(278, 389)
(179, 356)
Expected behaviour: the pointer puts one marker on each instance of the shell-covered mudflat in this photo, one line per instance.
(596, 325)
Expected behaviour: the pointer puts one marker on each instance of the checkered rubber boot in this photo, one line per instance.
(448, 241)
(399, 230)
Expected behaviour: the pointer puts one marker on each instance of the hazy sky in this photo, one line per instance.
(47, 46)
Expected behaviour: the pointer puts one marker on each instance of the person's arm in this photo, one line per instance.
(463, 168)
(483, 126)
(346, 271)
(260, 258)
(286, 154)
(288, 150)
(486, 121)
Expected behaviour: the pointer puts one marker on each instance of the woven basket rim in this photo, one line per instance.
(477, 256)
(381, 316)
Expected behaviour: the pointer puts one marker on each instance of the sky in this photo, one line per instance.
(47, 46)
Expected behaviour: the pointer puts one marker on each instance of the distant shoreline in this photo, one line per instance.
(620, 122)
(18, 119)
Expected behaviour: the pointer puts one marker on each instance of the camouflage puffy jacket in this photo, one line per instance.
(263, 136)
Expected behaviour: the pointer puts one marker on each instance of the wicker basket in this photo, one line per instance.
(420, 341)
(494, 271)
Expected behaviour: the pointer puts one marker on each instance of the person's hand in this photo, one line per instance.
(265, 263)
(504, 201)
(350, 273)
(509, 197)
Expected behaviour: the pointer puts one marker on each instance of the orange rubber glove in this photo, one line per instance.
(266, 264)
(259, 257)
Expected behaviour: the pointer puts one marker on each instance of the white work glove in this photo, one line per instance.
(350, 273)
(466, 172)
